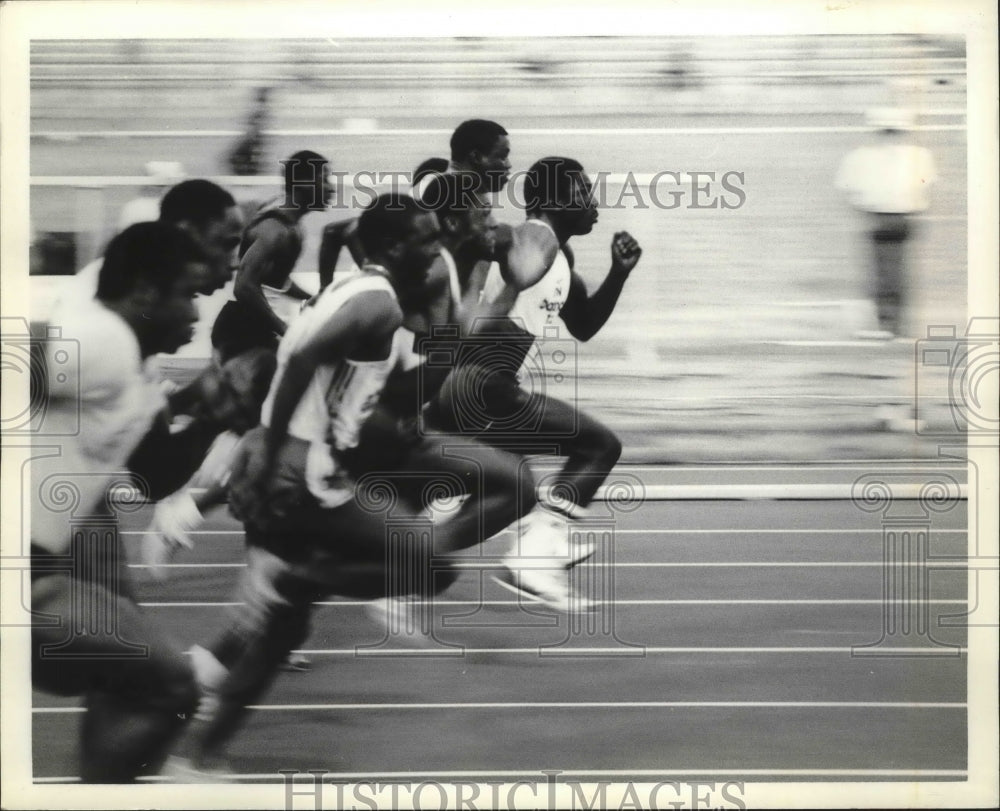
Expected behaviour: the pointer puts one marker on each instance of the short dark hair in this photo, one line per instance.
(475, 135)
(154, 253)
(197, 201)
(549, 183)
(450, 194)
(304, 156)
(389, 217)
(431, 166)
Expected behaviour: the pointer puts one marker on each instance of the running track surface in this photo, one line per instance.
(728, 652)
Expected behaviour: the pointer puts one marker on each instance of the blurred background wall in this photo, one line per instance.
(734, 337)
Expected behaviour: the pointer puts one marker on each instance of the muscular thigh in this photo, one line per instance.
(345, 551)
(314, 537)
(470, 465)
(476, 399)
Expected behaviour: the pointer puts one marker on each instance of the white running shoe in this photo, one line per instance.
(544, 541)
(547, 586)
(183, 770)
(209, 673)
(297, 663)
(402, 619)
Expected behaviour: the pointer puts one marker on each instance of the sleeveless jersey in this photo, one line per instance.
(538, 306)
(286, 307)
(535, 309)
(272, 211)
(340, 396)
(409, 357)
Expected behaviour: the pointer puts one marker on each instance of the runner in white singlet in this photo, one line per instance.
(103, 407)
(310, 529)
(484, 395)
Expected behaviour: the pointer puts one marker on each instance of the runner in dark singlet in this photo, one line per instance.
(344, 233)
(265, 298)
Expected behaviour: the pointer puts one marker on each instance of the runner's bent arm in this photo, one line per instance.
(584, 315)
(165, 460)
(473, 309)
(336, 237)
(529, 256)
(256, 268)
(371, 317)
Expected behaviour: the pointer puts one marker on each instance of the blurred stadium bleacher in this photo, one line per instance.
(733, 335)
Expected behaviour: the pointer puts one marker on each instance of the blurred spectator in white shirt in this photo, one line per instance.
(889, 181)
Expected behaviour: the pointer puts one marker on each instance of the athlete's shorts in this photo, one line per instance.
(239, 328)
(479, 400)
(366, 548)
(87, 635)
(406, 393)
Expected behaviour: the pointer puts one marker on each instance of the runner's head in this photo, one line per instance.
(483, 148)
(431, 166)
(560, 189)
(150, 276)
(307, 181)
(397, 233)
(464, 215)
(210, 215)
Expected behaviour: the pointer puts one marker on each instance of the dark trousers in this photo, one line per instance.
(889, 283)
(90, 638)
(237, 328)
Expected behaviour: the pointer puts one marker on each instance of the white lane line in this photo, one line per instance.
(830, 491)
(586, 705)
(471, 603)
(194, 605)
(726, 400)
(740, 531)
(487, 563)
(927, 564)
(916, 466)
(187, 566)
(140, 532)
(859, 342)
(127, 532)
(496, 563)
(804, 130)
(569, 774)
(734, 531)
(924, 651)
(610, 132)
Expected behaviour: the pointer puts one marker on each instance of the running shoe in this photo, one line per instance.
(547, 586)
(543, 539)
(184, 770)
(403, 619)
(297, 663)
